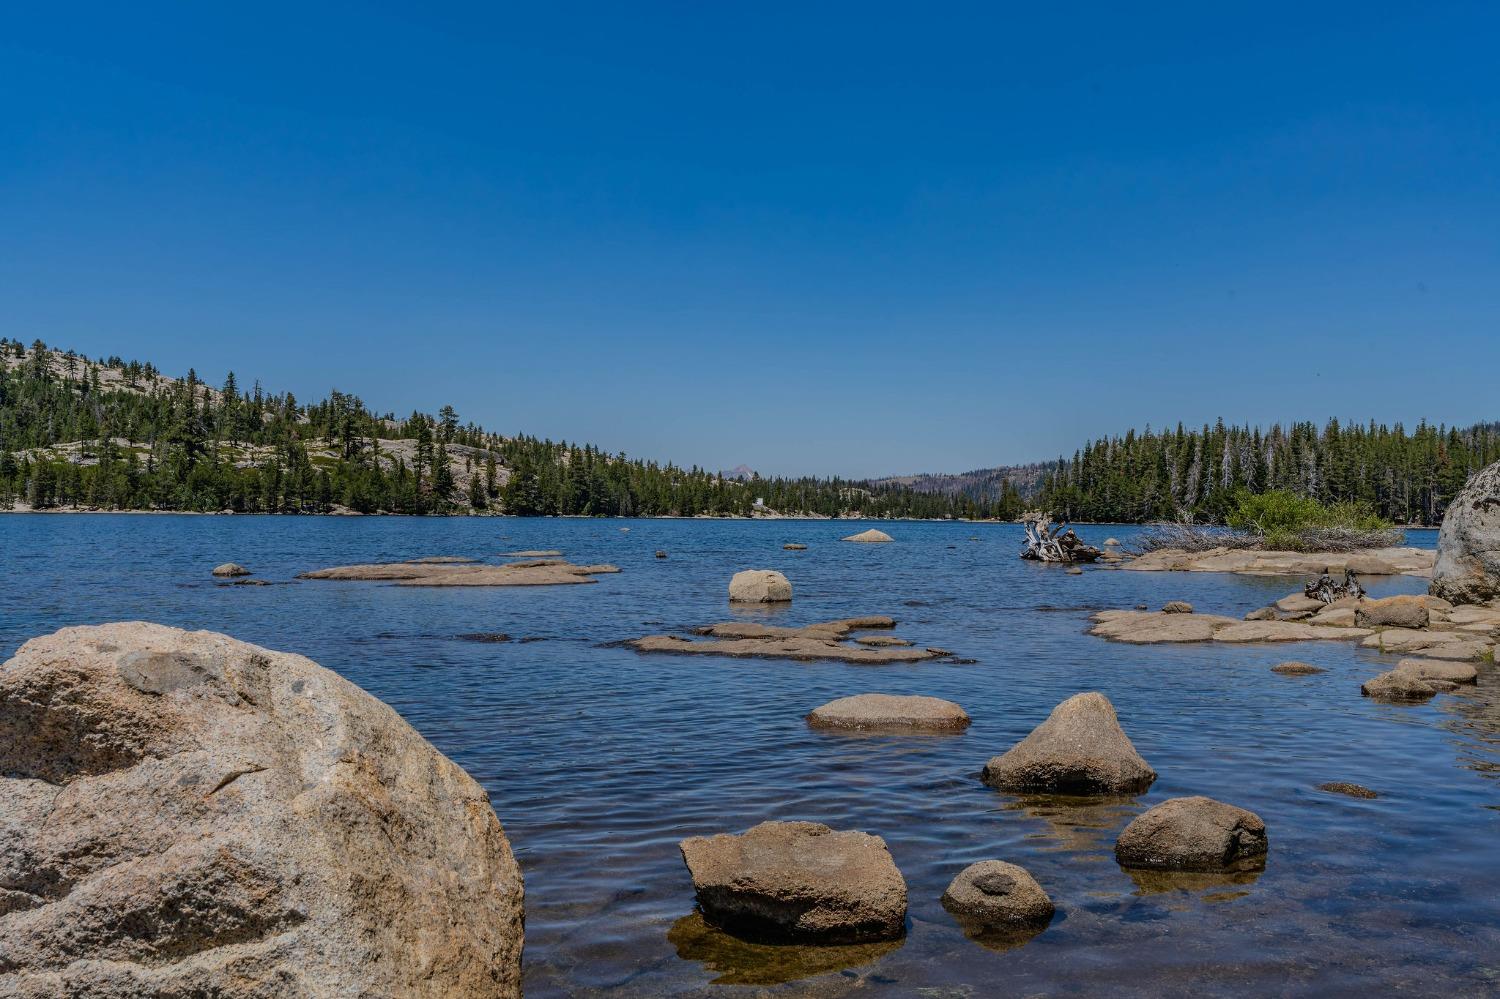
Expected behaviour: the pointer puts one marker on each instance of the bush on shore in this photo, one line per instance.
(1281, 521)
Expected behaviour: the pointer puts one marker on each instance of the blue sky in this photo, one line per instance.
(850, 239)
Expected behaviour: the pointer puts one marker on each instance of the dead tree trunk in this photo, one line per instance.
(1325, 589)
(1048, 542)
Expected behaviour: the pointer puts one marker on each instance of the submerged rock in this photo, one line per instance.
(1392, 612)
(230, 569)
(1468, 550)
(185, 814)
(890, 712)
(534, 572)
(1295, 668)
(759, 586)
(661, 554)
(1080, 749)
(871, 536)
(1346, 788)
(794, 547)
(1193, 834)
(798, 882)
(994, 895)
(826, 640)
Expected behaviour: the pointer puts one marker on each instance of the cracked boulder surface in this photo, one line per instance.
(1468, 550)
(183, 814)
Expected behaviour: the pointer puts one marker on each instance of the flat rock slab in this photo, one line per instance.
(1460, 645)
(1080, 749)
(1441, 669)
(1347, 789)
(1146, 627)
(537, 572)
(1295, 668)
(442, 560)
(183, 814)
(1377, 561)
(798, 882)
(534, 553)
(825, 640)
(889, 713)
(1194, 834)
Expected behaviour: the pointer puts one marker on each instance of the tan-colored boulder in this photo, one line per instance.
(890, 712)
(230, 570)
(1194, 834)
(759, 586)
(1369, 565)
(1392, 612)
(1295, 668)
(994, 895)
(798, 882)
(1468, 550)
(185, 814)
(1080, 749)
(1263, 614)
(1398, 685)
(871, 536)
(1440, 669)
(1176, 607)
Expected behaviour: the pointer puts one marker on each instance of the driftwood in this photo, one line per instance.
(1048, 542)
(1325, 589)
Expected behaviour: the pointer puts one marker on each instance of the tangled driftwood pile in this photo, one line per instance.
(1325, 590)
(1048, 542)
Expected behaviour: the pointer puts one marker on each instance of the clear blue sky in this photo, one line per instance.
(812, 238)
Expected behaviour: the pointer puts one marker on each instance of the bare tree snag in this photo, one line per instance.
(1048, 542)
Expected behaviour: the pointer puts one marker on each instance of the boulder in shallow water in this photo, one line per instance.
(759, 586)
(798, 882)
(230, 570)
(1392, 612)
(794, 547)
(1296, 668)
(1398, 685)
(890, 713)
(1347, 789)
(1441, 669)
(1079, 749)
(183, 814)
(1176, 607)
(994, 895)
(871, 536)
(1193, 834)
(1468, 551)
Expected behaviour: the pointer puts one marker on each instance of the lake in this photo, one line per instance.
(599, 759)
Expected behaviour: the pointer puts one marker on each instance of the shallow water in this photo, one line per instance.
(599, 760)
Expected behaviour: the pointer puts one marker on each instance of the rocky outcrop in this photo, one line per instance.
(230, 570)
(532, 572)
(1176, 607)
(798, 882)
(1193, 834)
(183, 814)
(871, 536)
(993, 895)
(1392, 612)
(890, 713)
(1079, 749)
(1253, 562)
(1468, 552)
(1144, 627)
(826, 640)
(759, 586)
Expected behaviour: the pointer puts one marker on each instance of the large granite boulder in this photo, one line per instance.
(759, 586)
(1468, 555)
(1392, 612)
(1193, 834)
(1080, 749)
(183, 814)
(798, 882)
(869, 537)
(994, 895)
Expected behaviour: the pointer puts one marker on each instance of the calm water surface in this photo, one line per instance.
(599, 760)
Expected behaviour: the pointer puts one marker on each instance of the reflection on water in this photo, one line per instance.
(739, 962)
(1076, 824)
(999, 940)
(1216, 883)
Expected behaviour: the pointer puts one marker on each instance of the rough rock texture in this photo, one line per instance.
(534, 572)
(230, 569)
(1263, 614)
(871, 536)
(995, 895)
(1468, 558)
(1398, 685)
(794, 547)
(759, 586)
(1392, 612)
(799, 882)
(890, 712)
(1176, 607)
(1407, 561)
(183, 815)
(1440, 669)
(1345, 788)
(1432, 644)
(1144, 627)
(1295, 668)
(826, 640)
(1079, 749)
(1193, 834)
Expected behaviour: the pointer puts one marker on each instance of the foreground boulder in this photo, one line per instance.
(993, 895)
(759, 586)
(183, 814)
(1398, 685)
(1392, 612)
(1079, 749)
(1193, 834)
(871, 536)
(890, 713)
(230, 570)
(1468, 552)
(798, 882)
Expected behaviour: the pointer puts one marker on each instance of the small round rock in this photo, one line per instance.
(890, 712)
(231, 569)
(995, 895)
(1295, 668)
(1177, 607)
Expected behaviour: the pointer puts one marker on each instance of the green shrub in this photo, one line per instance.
(1288, 522)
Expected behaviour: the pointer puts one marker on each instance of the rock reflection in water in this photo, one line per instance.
(1219, 885)
(740, 962)
(1079, 825)
(1000, 939)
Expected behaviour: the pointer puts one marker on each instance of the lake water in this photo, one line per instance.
(599, 760)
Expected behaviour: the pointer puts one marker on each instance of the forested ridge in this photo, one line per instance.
(115, 435)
